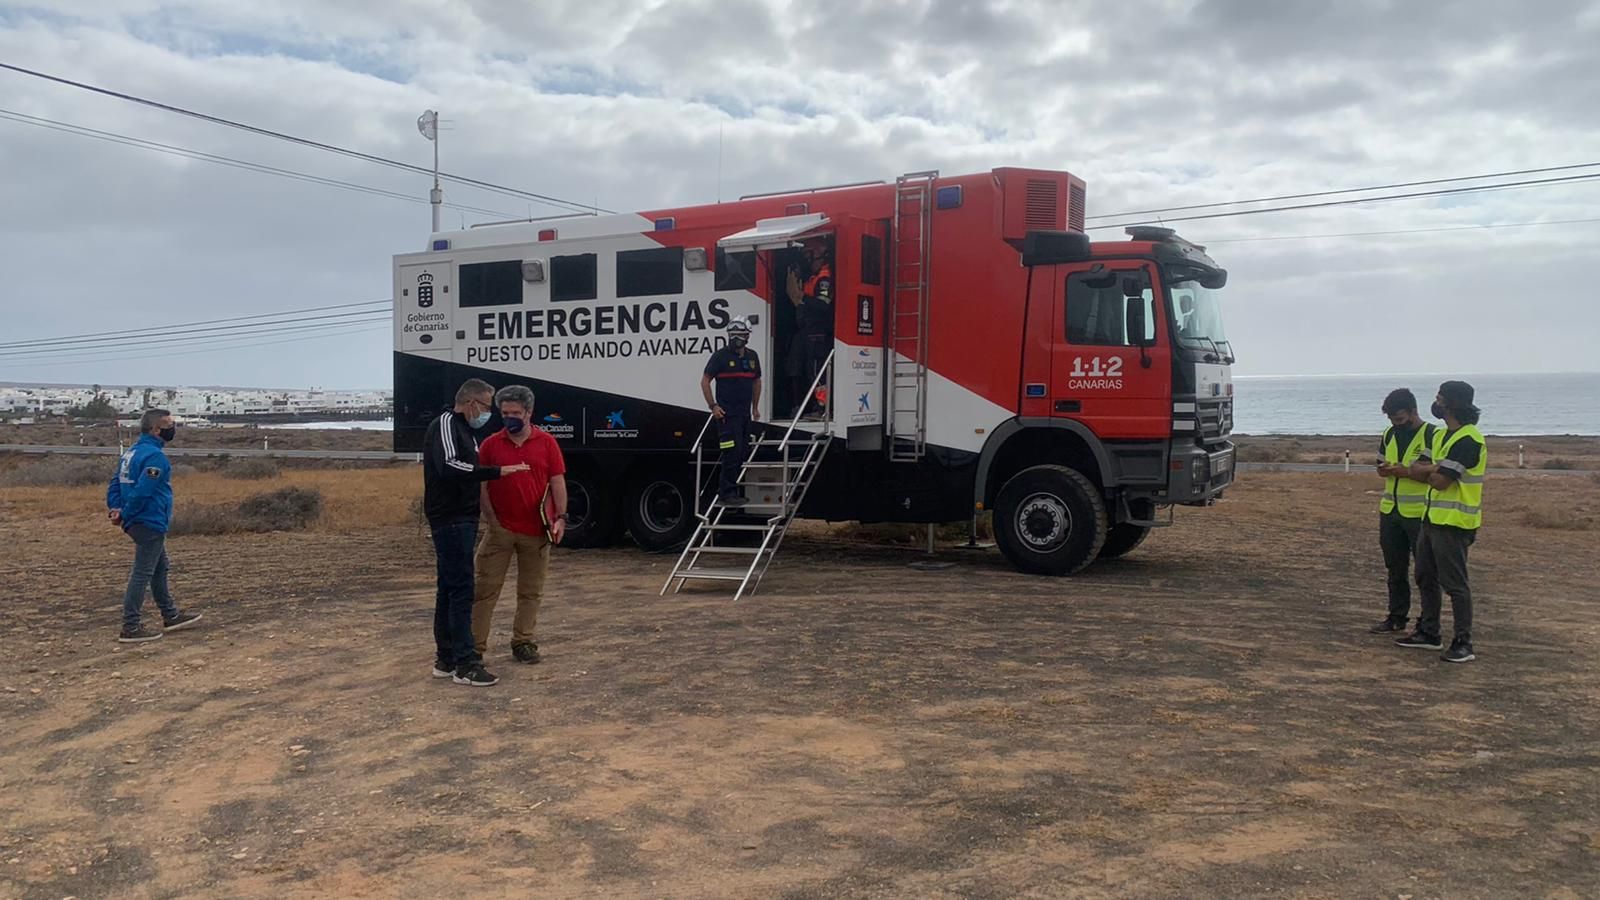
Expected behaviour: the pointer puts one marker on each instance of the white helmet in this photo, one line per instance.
(739, 324)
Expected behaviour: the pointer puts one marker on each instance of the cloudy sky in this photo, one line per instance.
(620, 103)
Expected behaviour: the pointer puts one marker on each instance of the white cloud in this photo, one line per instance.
(621, 103)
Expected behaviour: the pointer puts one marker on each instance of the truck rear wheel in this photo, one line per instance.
(1122, 538)
(591, 512)
(1049, 520)
(659, 511)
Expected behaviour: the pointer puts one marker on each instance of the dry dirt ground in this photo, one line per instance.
(1206, 718)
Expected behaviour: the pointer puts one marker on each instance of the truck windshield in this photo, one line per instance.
(1197, 318)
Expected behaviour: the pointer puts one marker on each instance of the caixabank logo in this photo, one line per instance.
(614, 426)
(557, 427)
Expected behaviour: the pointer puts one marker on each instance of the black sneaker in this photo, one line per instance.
(1460, 651)
(1388, 626)
(734, 501)
(525, 652)
(180, 621)
(137, 635)
(442, 669)
(1419, 641)
(475, 675)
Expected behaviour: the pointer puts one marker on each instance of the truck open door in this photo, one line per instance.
(859, 333)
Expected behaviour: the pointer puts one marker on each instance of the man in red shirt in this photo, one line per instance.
(526, 513)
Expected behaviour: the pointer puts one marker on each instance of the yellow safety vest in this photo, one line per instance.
(1461, 504)
(1411, 497)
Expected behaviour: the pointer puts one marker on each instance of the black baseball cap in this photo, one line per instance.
(1457, 395)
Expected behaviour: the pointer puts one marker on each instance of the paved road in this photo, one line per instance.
(1367, 470)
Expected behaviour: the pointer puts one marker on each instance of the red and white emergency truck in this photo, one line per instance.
(987, 356)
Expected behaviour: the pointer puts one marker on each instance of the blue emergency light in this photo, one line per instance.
(666, 224)
(442, 244)
(948, 197)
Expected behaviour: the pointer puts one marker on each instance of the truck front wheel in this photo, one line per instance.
(1049, 520)
(1122, 538)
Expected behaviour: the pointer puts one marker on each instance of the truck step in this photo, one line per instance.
(722, 527)
(732, 551)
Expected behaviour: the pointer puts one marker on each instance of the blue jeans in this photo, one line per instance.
(149, 571)
(452, 606)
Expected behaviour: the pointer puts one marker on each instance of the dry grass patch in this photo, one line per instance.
(286, 509)
(60, 471)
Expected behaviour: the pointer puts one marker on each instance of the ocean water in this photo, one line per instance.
(1567, 403)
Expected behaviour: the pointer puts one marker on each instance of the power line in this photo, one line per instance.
(1359, 190)
(194, 352)
(152, 341)
(1302, 237)
(162, 328)
(306, 142)
(1513, 185)
(262, 168)
(213, 331)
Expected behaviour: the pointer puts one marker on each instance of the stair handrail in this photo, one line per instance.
(800, 410)
(698, 448)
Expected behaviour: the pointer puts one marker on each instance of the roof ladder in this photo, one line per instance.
(908, 316)
(775, 480)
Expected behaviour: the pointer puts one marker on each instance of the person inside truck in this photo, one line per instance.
(810, 289)
(737, 372)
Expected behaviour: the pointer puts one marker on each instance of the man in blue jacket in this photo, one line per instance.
(139, 498)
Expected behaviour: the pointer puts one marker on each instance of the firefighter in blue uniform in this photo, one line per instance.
(737, 372)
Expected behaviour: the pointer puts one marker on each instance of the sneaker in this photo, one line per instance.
(441, 670)
(137, 635)
(1388, 626)
(180, 621)
(475, 675)
(525, 652)
(734, 501)
(1460, 651)
(1419, 641)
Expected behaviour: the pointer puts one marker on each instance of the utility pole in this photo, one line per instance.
(428, 125)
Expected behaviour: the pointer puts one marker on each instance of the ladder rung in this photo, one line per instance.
(713, 574)
(723, 527)
(741, 551)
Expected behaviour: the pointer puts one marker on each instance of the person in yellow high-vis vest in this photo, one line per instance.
(1406, 440)
(1454, 475)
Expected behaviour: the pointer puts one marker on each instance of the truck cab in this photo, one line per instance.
(1126, 399)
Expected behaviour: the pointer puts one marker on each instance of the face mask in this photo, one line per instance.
(479, 420)
(737, 341)
(167, 434)
(513, 424)
(1437, 410)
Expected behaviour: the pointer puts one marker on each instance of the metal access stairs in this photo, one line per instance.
(907, 417)
(775, 480)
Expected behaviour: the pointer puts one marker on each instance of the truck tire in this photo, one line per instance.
(591, 512)
(1122, 538)
(1049, 520)
(659, 511)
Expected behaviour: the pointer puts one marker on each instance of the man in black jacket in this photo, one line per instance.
(450, 478)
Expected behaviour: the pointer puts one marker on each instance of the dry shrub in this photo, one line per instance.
(1558, 462)
(257, 468)
(1557, 520)
(60, 471)
(286, 509)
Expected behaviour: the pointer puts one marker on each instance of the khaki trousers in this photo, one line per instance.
(493, 559)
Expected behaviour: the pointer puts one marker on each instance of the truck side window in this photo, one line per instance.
(736, 271)
(491, 283)
(871, 259)
(1097, 308)
(650, 273)
(574, 277)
